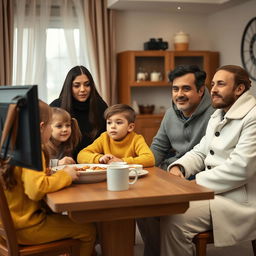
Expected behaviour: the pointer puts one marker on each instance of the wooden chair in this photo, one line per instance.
(202, 239)
(9, 245)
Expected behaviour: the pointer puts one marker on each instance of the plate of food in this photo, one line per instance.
(140, 173)
(89, 173)
(139, 169)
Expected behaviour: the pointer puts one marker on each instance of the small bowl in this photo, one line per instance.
(148, 109)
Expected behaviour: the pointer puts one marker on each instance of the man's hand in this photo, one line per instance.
(175, 170)
(105, 159)
(66, 160)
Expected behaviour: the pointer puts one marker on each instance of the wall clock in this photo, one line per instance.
(248, 48)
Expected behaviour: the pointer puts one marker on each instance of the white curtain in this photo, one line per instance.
(33, 18)
(100, 29)
(30, 23)
(72, 16)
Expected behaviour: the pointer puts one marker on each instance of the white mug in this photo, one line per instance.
(118, 177)
(118, 163)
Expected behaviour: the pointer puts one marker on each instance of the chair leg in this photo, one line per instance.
(201, 246)
(254, 247)
(94, 253)
(134, 227)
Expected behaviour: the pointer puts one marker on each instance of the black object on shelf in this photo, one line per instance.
(156, 44)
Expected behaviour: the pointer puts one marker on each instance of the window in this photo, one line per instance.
(49, 39)
(58, 61)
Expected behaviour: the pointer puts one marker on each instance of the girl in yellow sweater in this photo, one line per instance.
(25, 189)
(119, 142)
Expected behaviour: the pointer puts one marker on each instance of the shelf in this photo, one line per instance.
(148, 83)
(146, 116)
(135, 65)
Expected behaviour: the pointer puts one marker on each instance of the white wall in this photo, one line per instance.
(135, 28)
(227, 28)
(221, 31)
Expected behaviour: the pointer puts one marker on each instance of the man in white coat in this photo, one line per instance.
(224, 161)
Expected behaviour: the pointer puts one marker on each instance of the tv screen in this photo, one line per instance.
(27, 148)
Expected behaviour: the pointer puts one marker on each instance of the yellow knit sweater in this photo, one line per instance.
(132, 149)
(24, 199)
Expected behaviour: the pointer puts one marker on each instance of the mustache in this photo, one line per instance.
(182, 98)
(217, 95)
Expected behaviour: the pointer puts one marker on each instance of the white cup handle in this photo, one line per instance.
(136, 176)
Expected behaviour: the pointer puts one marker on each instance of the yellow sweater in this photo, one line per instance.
(132, 149)
(24, 199)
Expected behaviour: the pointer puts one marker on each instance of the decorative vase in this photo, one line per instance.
(181, 41)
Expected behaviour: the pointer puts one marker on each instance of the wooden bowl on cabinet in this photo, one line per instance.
(148, 109)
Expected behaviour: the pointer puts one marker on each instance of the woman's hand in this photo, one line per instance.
(72, 171)
(66, 160)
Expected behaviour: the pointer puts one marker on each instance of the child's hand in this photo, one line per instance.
(105, 159)
(66, 160)
(115, 159)
(72, 171)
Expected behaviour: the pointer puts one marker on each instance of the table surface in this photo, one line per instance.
(157, 187)
(156, 194)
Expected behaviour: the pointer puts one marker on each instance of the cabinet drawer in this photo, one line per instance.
(148, 125)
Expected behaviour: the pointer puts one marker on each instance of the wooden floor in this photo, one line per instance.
(238, 250)
(243, 249)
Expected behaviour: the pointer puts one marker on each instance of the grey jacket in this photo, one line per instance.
(176, 136)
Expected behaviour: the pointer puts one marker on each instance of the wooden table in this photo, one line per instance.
(157, 194)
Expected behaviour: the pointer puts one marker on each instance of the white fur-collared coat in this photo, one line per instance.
(225, 161)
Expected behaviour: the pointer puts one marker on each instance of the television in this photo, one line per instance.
(25, 149)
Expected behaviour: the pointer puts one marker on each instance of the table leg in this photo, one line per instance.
(117, 237)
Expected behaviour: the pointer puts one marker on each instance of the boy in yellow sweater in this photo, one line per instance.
(119, 142)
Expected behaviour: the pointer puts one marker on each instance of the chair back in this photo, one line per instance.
(7, 230)
(202, 239)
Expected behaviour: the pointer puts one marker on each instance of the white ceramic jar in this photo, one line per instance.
(155, 76)
(141, 76)
(181, 41)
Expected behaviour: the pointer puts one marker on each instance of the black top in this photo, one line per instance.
(81, 112)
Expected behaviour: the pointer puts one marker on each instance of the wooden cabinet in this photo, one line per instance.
(158, 93)
(148, 126)
(206, 60)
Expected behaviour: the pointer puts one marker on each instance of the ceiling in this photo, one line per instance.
(182, 6)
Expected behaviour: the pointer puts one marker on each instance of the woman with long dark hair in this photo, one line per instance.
(81, 99)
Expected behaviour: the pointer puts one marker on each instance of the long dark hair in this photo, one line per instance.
(66, 97)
